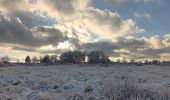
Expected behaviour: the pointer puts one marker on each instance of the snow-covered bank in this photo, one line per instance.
(75, 82)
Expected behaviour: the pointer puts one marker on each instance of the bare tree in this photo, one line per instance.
(5, 59)
(35, 59)
(53, 58)
(132, 61)
(73, 57)
(46, 59)
(97, 57)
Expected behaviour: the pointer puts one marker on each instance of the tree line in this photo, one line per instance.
(71, 57)
(94, 57)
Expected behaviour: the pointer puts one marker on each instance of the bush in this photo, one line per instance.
(128, 91)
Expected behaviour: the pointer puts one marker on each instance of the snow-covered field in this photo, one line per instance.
(75, 82)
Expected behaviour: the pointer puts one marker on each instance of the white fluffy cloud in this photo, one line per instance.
(146, 1)
(96, 24)
(85, 20)
(139, 1)
(62, 9)
(144, 15)
(108, 24)
(166, 41)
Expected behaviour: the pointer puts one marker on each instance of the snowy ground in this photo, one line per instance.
(74, 82)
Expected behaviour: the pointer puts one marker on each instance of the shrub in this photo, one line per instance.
(128, 91)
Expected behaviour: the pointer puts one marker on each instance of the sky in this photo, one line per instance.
(128, 29)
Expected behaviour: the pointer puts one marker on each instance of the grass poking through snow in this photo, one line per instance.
(128, 91)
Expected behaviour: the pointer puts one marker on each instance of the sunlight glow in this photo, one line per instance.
(64, 45)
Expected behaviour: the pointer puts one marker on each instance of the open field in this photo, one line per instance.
(77, 82)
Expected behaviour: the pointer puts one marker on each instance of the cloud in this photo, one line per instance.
(129, 46)
(95, 24)
(156, 48)
(49, 35)
(155, 41)
(115, 1)
(62, 9)
(166, 40)
(155, 53)
(84, 19)
(144, 15)
(13, 31)
(17, 8)
(147, 1)
(132, 1)
(22, 48)
(76, 24)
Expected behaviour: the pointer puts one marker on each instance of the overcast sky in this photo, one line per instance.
(121, 28)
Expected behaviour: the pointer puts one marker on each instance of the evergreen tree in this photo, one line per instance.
(27, 60)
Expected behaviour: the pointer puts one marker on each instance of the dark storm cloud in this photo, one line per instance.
(102, 46)
(108, 47)
(57, 51)
(18, 8)
(25, 17)
(12, 31)
(49, 35)
(155, 53)
(132, 44)
(123, 43)
(26, 49)
(31, 49)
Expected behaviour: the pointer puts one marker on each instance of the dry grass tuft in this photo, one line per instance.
(128, 91)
